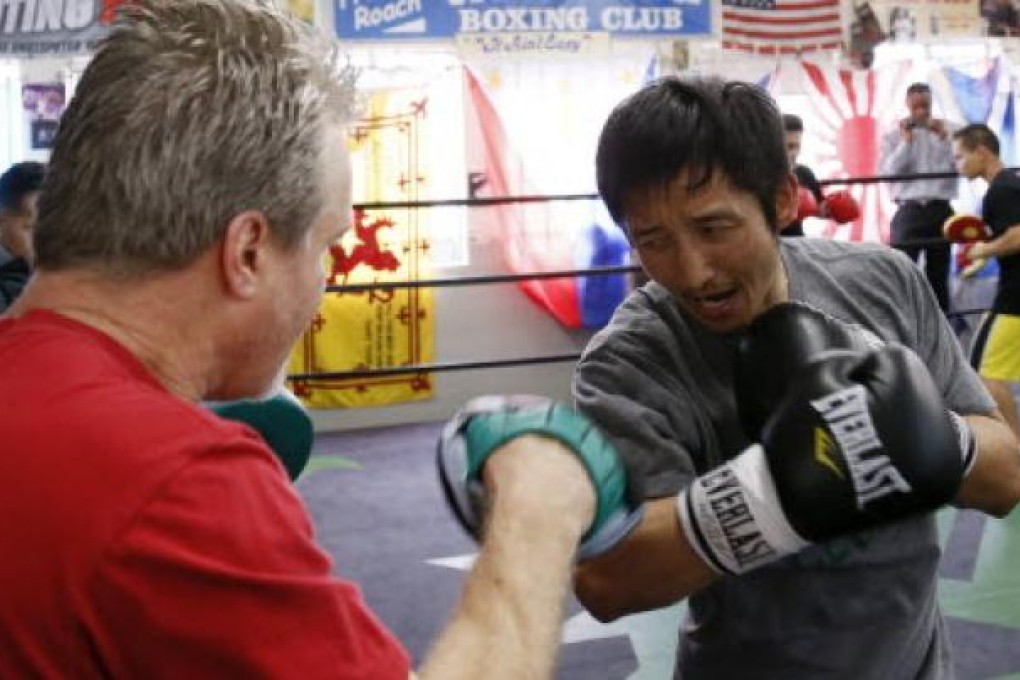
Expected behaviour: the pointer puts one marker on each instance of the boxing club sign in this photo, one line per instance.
(457, 19)
(41, 27)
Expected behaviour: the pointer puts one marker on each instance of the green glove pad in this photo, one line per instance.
(488, 423)
(281, 420)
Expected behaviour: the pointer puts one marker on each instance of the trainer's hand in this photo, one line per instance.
(490, 424)
(283, 423)
(537, 478)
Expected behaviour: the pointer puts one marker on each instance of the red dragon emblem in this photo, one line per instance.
(366, 251)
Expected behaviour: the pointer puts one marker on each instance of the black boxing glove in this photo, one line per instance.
(860, 439)
(777, 345)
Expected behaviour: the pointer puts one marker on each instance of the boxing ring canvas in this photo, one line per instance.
(378, 510)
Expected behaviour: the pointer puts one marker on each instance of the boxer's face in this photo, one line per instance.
(712, 248)
(793, 144)
(919, 105)
(969, 162)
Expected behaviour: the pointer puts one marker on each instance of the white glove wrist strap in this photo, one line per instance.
(732, 517)
(965, 436)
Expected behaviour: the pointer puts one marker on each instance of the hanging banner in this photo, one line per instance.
(794, 27)
(518, 45)
(302, 9)
(54, 26)
(444, 19)
(43, 104)
(925, 20)
(369, 329)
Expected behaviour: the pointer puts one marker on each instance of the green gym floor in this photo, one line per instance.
(378, 509)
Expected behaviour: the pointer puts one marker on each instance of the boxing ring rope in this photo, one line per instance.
(538, 198)
(449, 366)
(482, 279)
(439, 367)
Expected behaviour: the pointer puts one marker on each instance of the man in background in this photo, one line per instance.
(19, 193)
(995, 353)
(922, 144)
(812, 200)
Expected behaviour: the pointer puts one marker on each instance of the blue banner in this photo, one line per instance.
(54, 28)
(431, 19)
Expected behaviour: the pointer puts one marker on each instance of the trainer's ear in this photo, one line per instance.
(245, 242)
(787, 198)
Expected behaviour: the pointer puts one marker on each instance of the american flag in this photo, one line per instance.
(781, 26)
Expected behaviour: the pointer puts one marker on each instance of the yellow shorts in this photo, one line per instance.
(996, 351)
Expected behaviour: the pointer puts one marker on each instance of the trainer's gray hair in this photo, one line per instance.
(190, 112)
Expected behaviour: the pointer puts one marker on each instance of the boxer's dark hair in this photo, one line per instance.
(977, 134)
(792, 123)
(702, 125)
(919, 88)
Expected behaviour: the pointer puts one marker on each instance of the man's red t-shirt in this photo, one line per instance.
(142, 536)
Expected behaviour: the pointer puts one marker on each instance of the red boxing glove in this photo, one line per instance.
(807, 206)
(966, 265)
(842, 207)
(965, 229)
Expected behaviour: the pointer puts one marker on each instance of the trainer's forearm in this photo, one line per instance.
(508, 622)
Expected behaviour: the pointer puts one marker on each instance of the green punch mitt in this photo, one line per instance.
(486, 423)
(282, 421)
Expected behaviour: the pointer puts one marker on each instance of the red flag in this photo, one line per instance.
(852, 108)
(530, 240)
(110, 7)
(781, 26)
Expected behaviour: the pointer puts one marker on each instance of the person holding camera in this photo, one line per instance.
(922, 144)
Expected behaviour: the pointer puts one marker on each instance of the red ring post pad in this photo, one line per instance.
(486, 423)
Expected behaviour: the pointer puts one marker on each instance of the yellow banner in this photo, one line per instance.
(302, 9)
(377, 328)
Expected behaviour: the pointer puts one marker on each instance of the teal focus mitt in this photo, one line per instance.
(486, 423)
(282, 421)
